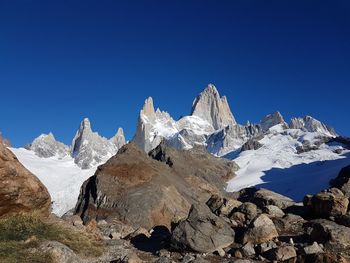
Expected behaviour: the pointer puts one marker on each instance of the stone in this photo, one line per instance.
(336, 238)
(143, 191)
(289, 224)
(342, 181)
(264, 197)
(313, 249)
(330, 203)
(248, 250)
(221, 252)
(222, 206)
(60, 253)
(282, 253)
(20, 190)
(261, 230)
(273, 211)
(202, 232)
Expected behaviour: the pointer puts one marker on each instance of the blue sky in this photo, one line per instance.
(61, 61)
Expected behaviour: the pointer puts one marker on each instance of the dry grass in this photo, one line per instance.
(15, 230)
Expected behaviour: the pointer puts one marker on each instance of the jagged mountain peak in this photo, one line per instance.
(46, 146)
(311, 124)
(209, 106)
(271, 120)
(148, 107)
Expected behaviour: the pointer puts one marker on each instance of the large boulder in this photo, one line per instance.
(342, 181)
(336, 238)
(158, 189)
(263, 197)
(261, 230)
(202, 232)
(330, 203)
(20, 190)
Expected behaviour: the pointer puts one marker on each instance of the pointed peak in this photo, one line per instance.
(148, 107)
(120, 132)
(86, 123)
(209, 106)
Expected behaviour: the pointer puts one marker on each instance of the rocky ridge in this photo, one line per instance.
(212, 125)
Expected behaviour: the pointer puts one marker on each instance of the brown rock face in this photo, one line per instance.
(20, 190)
(331, 203)
(151, 190)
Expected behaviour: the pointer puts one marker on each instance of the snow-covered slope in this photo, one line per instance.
(62, 177)
(292, 162)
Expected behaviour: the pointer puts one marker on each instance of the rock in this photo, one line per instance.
(310, 124)
(264, 197)
(202, 232)
(20, 190)
(282, 253)
(250, 210)
(251, 144)
(342, 181)
(222, 206)
(289, 224)
(248, 250)
(313, 249)
(115, 235)
(221, 252)
(211, 107)
(307, 201)
(273, 211)
(272, 120)
(331, 203)
(60, 253)
(261, 230)
(264, 247)
(335, 237)
(343, 220)
(141, 190)
(46, 146)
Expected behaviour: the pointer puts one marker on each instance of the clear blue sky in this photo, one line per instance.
(63, 60)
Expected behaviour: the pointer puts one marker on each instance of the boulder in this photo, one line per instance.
(263, 197)
(60, 253)
(273, 211)
(147, 190)
(289, 224)
(251, 144)
(336, 238)
(282, 253)
(342, 181)
(313, 249)
(202, 232)
(261, 230)
(20, 190)
(222, 206)
(330, 203)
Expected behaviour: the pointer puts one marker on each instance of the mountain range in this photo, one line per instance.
(273, 143)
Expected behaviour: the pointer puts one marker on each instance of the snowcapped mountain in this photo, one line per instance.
(46, 146)
(271, 153)
(210, 124)
(88, 148)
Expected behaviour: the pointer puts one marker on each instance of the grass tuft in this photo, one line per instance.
(16, 230)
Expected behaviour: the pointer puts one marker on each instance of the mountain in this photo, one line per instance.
(214, 109)
(46, 146)
(261, 149)
(212, 125)
(88, 148)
